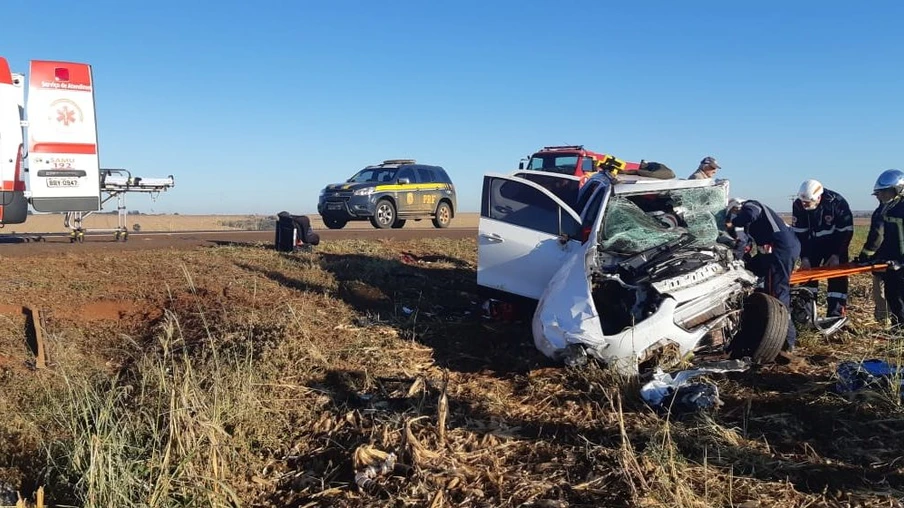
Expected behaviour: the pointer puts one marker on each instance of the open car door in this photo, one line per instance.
(525, 234)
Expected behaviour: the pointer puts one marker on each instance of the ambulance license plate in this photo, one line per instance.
(334, 206)
(62, 182)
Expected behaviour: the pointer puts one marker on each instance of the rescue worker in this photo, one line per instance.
(706, 169)
(824, 225)
(868, 255)
(888, 189)
(777, 251)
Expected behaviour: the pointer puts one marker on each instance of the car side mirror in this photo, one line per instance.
(521, 165)
(404, 181)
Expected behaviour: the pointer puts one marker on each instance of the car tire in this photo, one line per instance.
(398, 224)
(334, 223)
(763, 329)
(384, 214)
(443, 215)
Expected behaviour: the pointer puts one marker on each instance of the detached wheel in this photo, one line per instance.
(443, 215)
(384, 214)
(763, 330)
(399, 224)
(334, 223)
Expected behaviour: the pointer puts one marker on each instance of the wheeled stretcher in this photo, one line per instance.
(117, 183)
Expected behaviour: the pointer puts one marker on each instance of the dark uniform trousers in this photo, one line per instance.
(892, 249)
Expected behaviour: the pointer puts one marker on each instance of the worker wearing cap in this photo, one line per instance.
(888, 189)
(824, 225)
(706, 169)
(777, 244)
(868, 255)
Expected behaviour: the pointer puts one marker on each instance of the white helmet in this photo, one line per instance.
(734, 203)
(810, 193)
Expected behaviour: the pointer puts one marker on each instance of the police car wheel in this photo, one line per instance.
(763, 330)
(399, 224)
(443, 215)
(334, 223)
(384, 214)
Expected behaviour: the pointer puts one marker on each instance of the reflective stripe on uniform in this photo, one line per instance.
(846, 228)
(834, 294)
(824, 232)
(798, 230)
(775, 228)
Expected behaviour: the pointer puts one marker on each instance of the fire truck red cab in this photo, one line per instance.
(574, 160)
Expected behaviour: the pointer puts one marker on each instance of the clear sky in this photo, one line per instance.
(255, 106)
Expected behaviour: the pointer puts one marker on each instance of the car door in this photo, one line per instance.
(408, 195)
(525, 234)
(430, 189)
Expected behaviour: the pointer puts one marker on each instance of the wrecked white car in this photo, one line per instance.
(629, 270)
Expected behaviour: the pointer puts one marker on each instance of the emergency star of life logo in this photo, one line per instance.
(65, 113)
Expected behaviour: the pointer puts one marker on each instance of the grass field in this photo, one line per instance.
(238, 376)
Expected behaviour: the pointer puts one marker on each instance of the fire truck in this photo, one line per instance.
(574, 160)
(51, 134)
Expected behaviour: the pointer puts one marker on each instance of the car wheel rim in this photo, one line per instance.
(444, 215)
(384, 214)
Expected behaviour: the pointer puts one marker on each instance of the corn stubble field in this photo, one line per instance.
(237, 376)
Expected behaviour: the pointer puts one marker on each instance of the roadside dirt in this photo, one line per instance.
(59, 245)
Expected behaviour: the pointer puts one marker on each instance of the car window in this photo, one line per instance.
(374, 175)
(522, 205)
(565, 189)
(585, 194)
(553, 163)
(426, 175)
(407, 173)
(593, 210)
(587, 165)
(443, 176)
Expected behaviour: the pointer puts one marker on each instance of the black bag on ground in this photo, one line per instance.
(292, 228)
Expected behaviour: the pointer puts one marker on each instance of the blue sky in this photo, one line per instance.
(255, 106)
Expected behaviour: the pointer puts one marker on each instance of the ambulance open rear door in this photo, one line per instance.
(64, 168)
(13, 203)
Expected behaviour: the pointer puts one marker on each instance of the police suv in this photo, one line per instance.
(389, 194)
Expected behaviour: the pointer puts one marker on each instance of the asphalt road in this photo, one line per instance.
(58, 243)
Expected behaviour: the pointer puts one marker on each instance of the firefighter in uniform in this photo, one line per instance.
(824, 225)
(756, 222)
(868, 255)
(888, 189)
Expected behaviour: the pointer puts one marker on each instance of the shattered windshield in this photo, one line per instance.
(639, 222)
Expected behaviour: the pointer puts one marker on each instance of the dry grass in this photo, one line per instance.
(359, 376)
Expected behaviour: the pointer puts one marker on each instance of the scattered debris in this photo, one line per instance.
(371, 463)
(688, 396)
(35, 335)
(869, 374)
